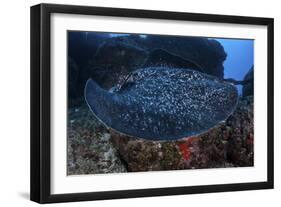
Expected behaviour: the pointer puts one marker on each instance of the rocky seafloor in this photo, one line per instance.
(94, 149)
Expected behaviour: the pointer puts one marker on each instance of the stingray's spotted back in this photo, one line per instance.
(161, 103)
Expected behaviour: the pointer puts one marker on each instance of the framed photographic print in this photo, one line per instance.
(133, 103)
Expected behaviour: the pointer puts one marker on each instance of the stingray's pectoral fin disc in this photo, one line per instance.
(100, 101)
(164, 103)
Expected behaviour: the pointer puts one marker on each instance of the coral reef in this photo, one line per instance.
(110, 60)
(227, 144)
(89, 150)
(94, 149)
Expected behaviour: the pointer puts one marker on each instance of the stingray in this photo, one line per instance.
(161, 103)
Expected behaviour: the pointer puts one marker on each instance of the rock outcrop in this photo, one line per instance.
(82, 47)
(248, 87)
(108, 60)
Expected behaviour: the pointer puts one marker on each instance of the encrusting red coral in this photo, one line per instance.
(185, 147)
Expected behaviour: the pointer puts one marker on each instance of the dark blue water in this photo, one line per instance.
(240, 58)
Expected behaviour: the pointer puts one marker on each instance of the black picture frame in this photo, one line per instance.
(41, 96)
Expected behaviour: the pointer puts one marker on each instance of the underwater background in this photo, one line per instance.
(240, 57)
(108, 58)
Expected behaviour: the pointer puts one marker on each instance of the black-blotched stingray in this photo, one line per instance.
(160, 103)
